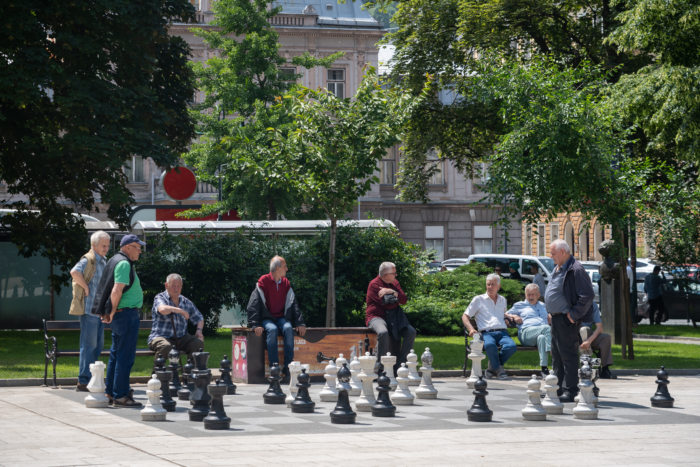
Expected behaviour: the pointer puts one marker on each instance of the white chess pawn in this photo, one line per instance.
(389, 361)
(412, 364)
(366, 400)
(476, 356)
(426, 390)
(551, 403)
(153, 411)
(355, 383)
(402, 395)
(96, 386)
(294, 370)
(329, 393)
(534, 411)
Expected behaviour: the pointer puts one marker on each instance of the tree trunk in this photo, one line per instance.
(271, 209)
(330, 300)
(624, 317)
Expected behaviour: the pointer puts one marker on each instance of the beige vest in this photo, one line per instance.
(77, 306)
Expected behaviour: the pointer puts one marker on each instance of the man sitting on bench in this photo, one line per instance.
(533, 324)
(489, 311)
(598, 341)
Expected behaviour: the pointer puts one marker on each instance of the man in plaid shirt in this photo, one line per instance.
(171, 311)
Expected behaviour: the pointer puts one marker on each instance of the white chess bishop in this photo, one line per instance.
(96, 386)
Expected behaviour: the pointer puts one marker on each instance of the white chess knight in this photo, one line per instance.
(402, 395)
(153, 411)
(426, 390)
(551, 403)
(96, 386)
(366, 400)
(585, 409)
(329, 393)
(476, 356)
(412, 364)
(389, 361)
(355, 383)
(294, 370)
(534, 411)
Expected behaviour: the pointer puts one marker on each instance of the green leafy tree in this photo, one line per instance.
(84, 86)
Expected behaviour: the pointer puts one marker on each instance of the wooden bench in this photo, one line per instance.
(52, 352)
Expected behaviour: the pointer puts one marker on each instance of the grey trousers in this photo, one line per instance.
(385, 343)
(602, 343)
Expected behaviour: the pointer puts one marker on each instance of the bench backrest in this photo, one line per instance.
(74, 325)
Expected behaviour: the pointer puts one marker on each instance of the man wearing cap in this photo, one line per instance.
(119, 299)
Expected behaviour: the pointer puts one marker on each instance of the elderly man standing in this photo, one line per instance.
(533, 324)
(171, 312)
(273, 307)
(119, 302)
(569, 301)
(86, 275)
(489, 311)
(385, 317)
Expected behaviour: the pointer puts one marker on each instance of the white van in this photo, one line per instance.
(545, 264)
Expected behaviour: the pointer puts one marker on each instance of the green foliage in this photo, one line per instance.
(85, 86)
(437, 305)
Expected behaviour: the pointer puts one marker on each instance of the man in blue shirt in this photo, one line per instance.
(598, 341)
(171, 312)
(533, 324)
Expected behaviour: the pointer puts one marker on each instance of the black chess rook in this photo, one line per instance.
(217, 419)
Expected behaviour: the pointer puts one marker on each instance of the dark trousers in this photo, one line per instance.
(385, 343)
(565, 342)
(125, 333)
(656, 310)
(187, 343)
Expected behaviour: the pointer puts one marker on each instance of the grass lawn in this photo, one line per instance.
(671, 331)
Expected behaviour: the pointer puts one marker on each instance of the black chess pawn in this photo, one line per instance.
(662, 398)
(200, 397)
(217, 419)
(165, 399)
(225, 378)
(343, 413)
(274, 394)
(383, 407)
(187, 383)
(479, 411)
(158, 364)
(174, 367)
(302, 403)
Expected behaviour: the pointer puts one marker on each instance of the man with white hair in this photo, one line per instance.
(171, 312)
(489, 311)
(86, 276)
(569, 300)
(533, 324)
(385, 317)
(273, 308)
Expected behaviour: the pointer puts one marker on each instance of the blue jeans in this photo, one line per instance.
(273, 328)
(125, 333)
(92, 339)
(492, 340)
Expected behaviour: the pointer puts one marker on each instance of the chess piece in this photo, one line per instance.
(199, 394)
(225, 378)
(402, 395)
(158, 364)
(476, 355)
(343, 413)
(96, 386)
(339, 384)
(302, 402)
(412, 364)
(533, 411)
(274, 394)
(479, 411)
(585, 408)
(383, 406)
(551, 403)
(165, 399)
(187, 382)
(389, 361)
(426, 390)
(661, 398)
(329, 393)
(355, 383)
(294, 370)
(153, 411)
(174, 368)
(366, 400)
(217, 419)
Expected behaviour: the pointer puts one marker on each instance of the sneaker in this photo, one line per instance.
(502, 374)
(110, 399)
(606, 374)
(81, 388)
(490, 374)
(127, 401)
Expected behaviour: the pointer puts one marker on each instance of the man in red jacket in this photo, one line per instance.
(385, 317)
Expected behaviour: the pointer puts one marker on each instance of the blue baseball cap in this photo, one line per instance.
(131, 238)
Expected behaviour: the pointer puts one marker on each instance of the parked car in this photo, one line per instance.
(544, 264)
(454, 263)
(682, 299)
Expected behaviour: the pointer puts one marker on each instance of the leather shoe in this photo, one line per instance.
(606, 374)
(566, 397)
(127, 401)
(81, 388)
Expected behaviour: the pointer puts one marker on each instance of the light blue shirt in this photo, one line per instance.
(596, 316)
(532, 315)
(100, 263)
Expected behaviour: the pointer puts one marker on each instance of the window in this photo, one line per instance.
(387, 172)
(555, 231)
(336, 82)
(435, 240)
(288, 75)
(483, 239)
(438, 177)
(528, 239)
(541, 247)
(134, 170)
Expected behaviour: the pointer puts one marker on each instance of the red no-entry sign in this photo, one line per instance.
(179, 183)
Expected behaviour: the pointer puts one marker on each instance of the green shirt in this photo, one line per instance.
(132, 298)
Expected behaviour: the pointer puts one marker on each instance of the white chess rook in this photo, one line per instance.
(534, 411)
(426, 390)
(366, 400)
(329, 393)
(389, 361)
(551, 403)
(412, 364)
(476, 356)
(402, 395)
(96, 386)
(153, 411)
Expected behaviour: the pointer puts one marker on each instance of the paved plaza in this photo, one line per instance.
(43, 426)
